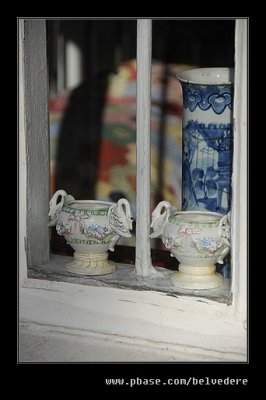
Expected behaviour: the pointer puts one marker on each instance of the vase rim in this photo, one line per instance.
(86, 205)
(203, 216)
(207, 76)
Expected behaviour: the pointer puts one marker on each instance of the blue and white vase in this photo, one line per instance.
(207, 139)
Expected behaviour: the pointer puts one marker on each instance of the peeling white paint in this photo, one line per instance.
(206, 331)
(22, 162)
(143, 265)
(34, 97)
(239, 178)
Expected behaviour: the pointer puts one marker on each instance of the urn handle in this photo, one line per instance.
(224, 226)
(55, 208)
(120, 218)
(160, 216)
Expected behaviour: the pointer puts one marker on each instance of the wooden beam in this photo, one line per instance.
(239, 178)
(37, 140)
(143, 265)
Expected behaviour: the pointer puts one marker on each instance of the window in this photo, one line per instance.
(34, 167)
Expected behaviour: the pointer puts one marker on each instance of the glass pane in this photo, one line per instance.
(92, 76)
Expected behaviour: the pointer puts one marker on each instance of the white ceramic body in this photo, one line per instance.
(85, 226)
(91, 228)
(197, 239)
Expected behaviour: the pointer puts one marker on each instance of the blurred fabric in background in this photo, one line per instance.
(115, 166)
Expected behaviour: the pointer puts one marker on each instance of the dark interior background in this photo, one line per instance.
(104, 45)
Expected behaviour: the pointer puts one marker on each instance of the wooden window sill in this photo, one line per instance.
(124, 277)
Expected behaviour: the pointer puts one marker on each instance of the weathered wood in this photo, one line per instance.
(239, 177)
(124, 277)
(37, 140)
(50, 343)
(22, 161)
(143, 265)
(205, 330)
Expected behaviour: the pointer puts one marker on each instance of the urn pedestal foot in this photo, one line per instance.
(91, 264)
(189, 277)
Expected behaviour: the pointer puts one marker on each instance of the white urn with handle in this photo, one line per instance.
(91, 228)
(197, 239)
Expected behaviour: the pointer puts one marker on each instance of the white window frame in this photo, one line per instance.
(201, 329)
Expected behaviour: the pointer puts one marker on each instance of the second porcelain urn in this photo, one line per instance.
(197, 239)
